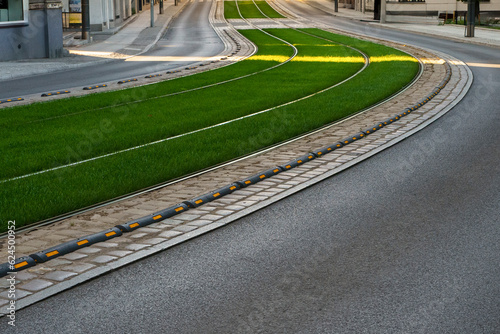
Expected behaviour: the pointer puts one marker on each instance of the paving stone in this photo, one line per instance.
(74, 256)
(136, 247)
(40, 270)
(186, 217)
(58, 262)
(79, 267)
(89, 250)
(35, 285)
(24, 276)
(235, 207)
(212, 217)
(4, 301)
(199, 222)
(108, 244)
(154, 241)
(247, 203)
(59, 275)
(170, 234)
(119, 253)
(103, 259)
(224, 212)
(185, 228)
(18, 294)
(138, 235)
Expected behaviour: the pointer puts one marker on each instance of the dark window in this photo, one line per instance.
(11, 10)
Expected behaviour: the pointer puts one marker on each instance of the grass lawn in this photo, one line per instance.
(249, 11)
(41, 136)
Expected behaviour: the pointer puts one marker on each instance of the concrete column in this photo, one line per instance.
(48, 26)
(383, 11)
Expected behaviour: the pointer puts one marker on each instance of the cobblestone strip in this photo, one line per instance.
(66, 271)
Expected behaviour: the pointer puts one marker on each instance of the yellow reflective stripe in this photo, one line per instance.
(52, 253)
(21, 264)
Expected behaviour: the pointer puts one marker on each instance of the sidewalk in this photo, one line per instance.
(134, 37)
(483, 36)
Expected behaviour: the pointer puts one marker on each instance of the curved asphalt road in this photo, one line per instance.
(405, 242)
(189, 35)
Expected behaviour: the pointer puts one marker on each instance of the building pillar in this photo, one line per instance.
(51, 29)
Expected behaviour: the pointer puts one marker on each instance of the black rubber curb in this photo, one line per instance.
(95, 87)
(14, 99)
(125, 81)
(55, 93)
(73, 245)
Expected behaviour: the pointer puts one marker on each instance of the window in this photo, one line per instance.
(13, 12)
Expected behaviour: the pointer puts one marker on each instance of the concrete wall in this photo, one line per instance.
(41, 38)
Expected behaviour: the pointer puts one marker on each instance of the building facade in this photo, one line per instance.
(424, 11)
(30, 29)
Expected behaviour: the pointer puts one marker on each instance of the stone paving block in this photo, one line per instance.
(257, 198)
(170, 234)
(59, 262)
(18, 294)
(4, 301)
(185, 217)
(41, 269)
(224, 212)
(211, 217)
(107, 244)
(199, 222)
(24, 276)
(154, 241)
(79, 267)
(103, 259)
(89, 250)
(137, 234)
(120, 253)
(59, 275)
(73, 256)
(35, 285)
(234, 207)
(247, 203)
(136, 247)
(185, 228)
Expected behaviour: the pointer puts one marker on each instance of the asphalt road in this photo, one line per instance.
(189, 35)
(408, 241)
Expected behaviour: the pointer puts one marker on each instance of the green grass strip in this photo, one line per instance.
(46, 195)
(249, 10)
(37, 146)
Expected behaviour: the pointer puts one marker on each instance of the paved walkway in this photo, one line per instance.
(135, 37)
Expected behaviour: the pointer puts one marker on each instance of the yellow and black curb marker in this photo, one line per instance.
(327, 149)
(171, 72)
(152, 218)
(94, 87)
(118, 230)
(55, 93)
(15, 99)
(126, 81)
(191, 68)
(73, 245)
(152, 76)
(259, 177)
